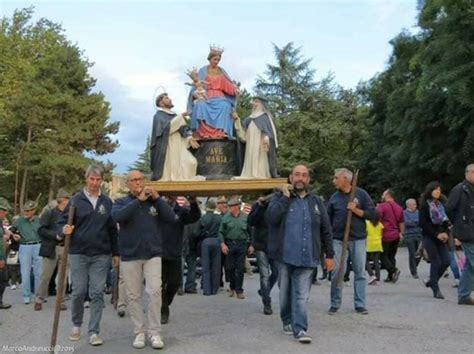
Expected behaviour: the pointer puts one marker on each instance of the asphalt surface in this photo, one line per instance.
(403, 318)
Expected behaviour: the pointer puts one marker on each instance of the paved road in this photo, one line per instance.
(403, 318)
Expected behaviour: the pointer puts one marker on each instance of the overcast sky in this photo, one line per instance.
(138, 46)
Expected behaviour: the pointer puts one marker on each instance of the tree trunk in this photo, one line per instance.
(51, 187)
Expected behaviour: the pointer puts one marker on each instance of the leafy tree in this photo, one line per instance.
(144, 161)
(49, 115)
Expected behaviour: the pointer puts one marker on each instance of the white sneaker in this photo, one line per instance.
(372, 279)
(95, 340)
(302, 337)
(13, 287)
(87, 304)
(139, 341)
(156, 342)
(347, 284)
(75, 333)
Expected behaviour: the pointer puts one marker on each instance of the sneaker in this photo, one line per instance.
(288, 329)
(267, 309)
(13, 287)
(139, 342)
(347, 284)
(303, 337)
(75, 334)
(362, 310)
(156, 342)
(466, 301)
(95, 340)
(240, 296)
(4, 306)
(87, 304)
(456, 283)
(332, 310)
(372, 279)
(395, 276)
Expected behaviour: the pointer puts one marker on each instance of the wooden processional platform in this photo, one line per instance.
(216, 187)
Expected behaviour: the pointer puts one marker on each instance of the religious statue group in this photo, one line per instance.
(215, 143)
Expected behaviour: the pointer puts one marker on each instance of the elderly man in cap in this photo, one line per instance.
(52, 247)
(25, 229)
(234, 239)
(260, 137)
(4, 206)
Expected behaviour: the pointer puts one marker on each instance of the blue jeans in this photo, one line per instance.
(191, 261)
(453, 264)
(88, 271)
(358, 258)
(466, 283)
(268, 272)
(29, 257)
(295, 286)
(211, 265)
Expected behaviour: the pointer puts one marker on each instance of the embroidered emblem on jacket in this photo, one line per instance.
(153, 211)
(101, 210)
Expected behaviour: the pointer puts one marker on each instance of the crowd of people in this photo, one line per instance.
(148, 238)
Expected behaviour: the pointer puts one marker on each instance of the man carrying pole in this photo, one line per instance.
(93, 244)
(347, 216)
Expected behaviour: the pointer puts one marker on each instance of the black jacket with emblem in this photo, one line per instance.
(140, 232)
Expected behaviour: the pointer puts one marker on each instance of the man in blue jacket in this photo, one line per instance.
(93, 242)
(139, 215)
(362, 208)
(298, 229)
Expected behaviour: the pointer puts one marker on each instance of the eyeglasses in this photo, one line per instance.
(136, 179)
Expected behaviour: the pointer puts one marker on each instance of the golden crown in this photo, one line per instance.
(215, 49)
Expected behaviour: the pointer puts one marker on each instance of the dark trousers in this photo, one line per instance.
(3, 280)
(236, 264)
(14, 274)
(438, 253)
(170, 279)
(374, 258)
(211, 265)
(191, 262)
(388, 257)
(413, 243)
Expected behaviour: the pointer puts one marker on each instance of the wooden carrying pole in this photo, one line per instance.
(62, 279)
(345, 241)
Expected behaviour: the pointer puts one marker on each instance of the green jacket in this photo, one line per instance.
(28, 229)
(234, 228)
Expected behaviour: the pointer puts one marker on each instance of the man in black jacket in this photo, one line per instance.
(140, 215)
(460, 209)
(52, 247)
(93, 247)
(267, 268)
(172, 251)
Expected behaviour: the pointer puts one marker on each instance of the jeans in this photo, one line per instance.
(236, 264)
(29, 257)
(358, 258)
(295, 286)
(439, 259)
(88, 271)
(133, 273)
(466, 284)
(412, 242)
(268, 272)
(191, 261)
(211, 265)
(389, 261)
